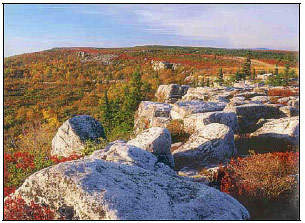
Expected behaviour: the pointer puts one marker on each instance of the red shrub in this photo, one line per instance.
(18, 209)
(281, 92)
(263, 175)
(56, 159)
(8, 191)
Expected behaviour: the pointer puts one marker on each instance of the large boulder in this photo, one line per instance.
(249, 114)
(208, 146)
(123, 153)
(283, 128)
(171, 93)
(94, 189)
(182, 109)
(157, 141)
(198, 93)
(194, 122)
(151, 114)
(71, 137)
(290, 111)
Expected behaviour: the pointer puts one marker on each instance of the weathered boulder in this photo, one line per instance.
(289, 111)
(94, 189)
(283, 128)
(151, 114)
(262, 99)
(294, 103)
(123, 153)
(194, 122)
(182, 109)
(249, 114)
(198, 93)
(170, 93)
(71, 136)
(208, 146)
(157, 141)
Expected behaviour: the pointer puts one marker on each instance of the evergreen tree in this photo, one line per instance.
(208, 82)
(220, 76)
(276, 70)
(253, 74)
(246, 71)
(107, 115)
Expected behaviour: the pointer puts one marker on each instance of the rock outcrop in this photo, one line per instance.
(157, 141)
(94, 189)
(71, 136)
(283, 128)
(194, 122)
(171, 93)
(151, 114)
(208, 146)
(182, 109)
(249, 114)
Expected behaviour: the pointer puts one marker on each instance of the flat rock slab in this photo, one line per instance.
(283, 128)
(182, 109)
(194, 122)
(249, 114)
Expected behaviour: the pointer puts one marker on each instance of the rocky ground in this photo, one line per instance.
(151, 177)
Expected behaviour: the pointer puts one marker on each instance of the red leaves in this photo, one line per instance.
(269, 174)
(8, 191)
(56, 159)
(15, 208)
(281, 92)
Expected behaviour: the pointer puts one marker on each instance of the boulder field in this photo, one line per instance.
(149, 176)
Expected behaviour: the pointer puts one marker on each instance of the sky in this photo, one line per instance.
(36, 27)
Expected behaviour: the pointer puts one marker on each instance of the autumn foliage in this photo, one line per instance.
(282, 92)
(15, 208)
(270, 175)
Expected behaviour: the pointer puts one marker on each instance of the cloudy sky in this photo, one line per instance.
(29, 28)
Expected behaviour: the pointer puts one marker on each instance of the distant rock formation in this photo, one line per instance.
(161, 65)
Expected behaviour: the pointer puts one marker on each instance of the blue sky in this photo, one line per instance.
(35, 27)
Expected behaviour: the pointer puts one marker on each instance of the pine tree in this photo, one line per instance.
(107, 113)
(208, 82)
(246, 71)
(220, 76)
(253, 74)
(276, 70)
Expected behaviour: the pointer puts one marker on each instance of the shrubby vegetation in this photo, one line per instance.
(267, 184)
(44, 89)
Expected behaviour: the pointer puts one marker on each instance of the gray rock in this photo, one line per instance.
(249, 114)
(157, 141)
(283, 128)
(194, 122)
(262, 99)
(290, 111)
(208, 146)
(94, 189)
(71, 136)
(151, 114)
(171, 93)
(294, 103)
(182, 109)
